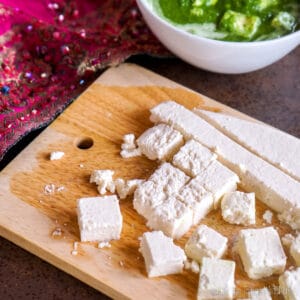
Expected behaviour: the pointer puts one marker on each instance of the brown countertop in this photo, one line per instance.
(271, 95)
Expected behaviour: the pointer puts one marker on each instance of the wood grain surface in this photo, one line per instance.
(116, 104)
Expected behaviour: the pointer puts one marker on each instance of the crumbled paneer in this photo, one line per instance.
(104, 180)
(129, 147)
(56, 155)
(126, 188)
(267, 216)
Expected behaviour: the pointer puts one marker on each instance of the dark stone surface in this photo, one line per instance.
(271, 95)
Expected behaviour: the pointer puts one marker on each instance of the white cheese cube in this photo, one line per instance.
(164, 182)
(216, 279)
(262, 294)
(104, 180)
(172, 217)
(128, 142)
(197, 198)
(56, 155)
(161, 255)
(205, 242)
(193, 158)
(99, 218)
(238, 208)
(126, 188)
(261, 252)
(218, 180)
(160, 142)
(289, 284)
(295, 250)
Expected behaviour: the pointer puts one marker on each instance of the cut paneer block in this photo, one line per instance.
(163, 183)
(218, 180)
(239, 208)
(295, 250)
(262, 294)
(216, 279)
(193, 158)
(126, 188)
(197, 198)
(263, 140)
(99, 218)
(172, 217)
(161, 255)
(205, 242)
(103, 180)
(160, 142)
(261, 252)
(272, 186)
(289, 284)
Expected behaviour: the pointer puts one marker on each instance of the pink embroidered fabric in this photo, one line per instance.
(50, 51)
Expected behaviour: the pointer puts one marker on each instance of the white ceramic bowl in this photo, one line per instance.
(218, 56)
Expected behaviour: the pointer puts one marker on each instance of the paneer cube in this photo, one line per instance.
(99, 218)
(284, 20)
(261, 252)
(193, 158)
(240, 24)
(216, 279)
(160, 142)
(218, 180)
(289, 284)
(161, 255)
(239, 208)
(205, 242)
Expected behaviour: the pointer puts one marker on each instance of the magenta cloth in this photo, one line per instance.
(50, 52)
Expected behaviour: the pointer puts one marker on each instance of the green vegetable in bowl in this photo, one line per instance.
(232, 20)
(240, 24)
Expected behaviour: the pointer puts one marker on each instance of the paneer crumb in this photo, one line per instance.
(129, 147)
(57, 232)
(74, 252)
(49, 189)
(103, 245)
(287, 240)
(126, 188)
(121, 263)
(267, 216)
(104, 180)
(192, 265)
(60, 188)
(56, 155)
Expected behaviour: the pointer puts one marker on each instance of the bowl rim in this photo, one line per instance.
(212, 41)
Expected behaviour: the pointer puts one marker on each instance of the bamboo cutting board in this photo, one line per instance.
(90, 133)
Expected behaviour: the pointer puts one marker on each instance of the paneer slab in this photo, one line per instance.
(216, 279)
(267, 142)
(99, 218)
(161, 255)
(193, 158)
(160, 142)
(261, 252)
(205, 242)
(272, 186)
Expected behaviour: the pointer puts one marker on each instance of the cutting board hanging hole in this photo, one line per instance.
(84, 143)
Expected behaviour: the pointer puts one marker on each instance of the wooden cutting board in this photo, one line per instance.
(90, 133)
